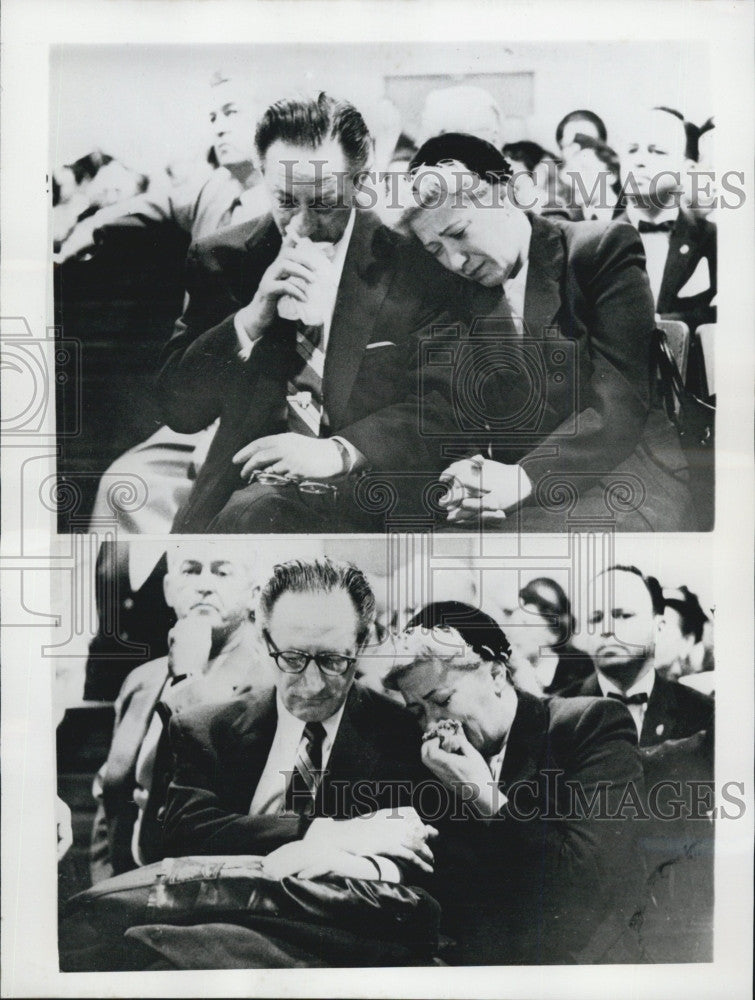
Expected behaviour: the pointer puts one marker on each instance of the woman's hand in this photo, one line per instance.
(466, 767)
(484, 489)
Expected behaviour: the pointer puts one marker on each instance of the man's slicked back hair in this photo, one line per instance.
(309, 122)
(321, 576)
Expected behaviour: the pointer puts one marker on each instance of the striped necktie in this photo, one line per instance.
(305, 411)
(307, 773)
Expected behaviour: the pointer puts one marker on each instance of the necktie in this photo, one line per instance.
(655, 227)
(632, 699)
(307, 773)
(304, 412)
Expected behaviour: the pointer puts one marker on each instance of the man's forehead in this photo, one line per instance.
(209, 554)
(660, 128)
(623, 586)
(297, 166)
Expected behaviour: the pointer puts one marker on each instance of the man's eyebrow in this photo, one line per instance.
(230, 105)
(221, 562)
(429, 694)
(450, 225)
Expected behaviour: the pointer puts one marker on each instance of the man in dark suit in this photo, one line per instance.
(527, 871)
(680, 246)
(302, 333)
(620, 637)
(271, 774)
(213, 655)
(553, 381)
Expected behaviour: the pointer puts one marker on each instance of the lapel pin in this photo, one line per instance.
(684, 248)
(659, 730)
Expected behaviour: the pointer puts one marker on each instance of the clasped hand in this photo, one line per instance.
(291, 454)
(479, 488)
(465, 773)
(396, 833)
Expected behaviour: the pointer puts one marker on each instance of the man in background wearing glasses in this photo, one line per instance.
(291, 773)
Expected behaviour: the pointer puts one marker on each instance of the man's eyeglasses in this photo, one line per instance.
(294, 661)
(314, 487)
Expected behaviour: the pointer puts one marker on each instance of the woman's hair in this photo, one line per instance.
(445, 631)
(528, 153)
(551, 602)
(476, 155)
(443, 165)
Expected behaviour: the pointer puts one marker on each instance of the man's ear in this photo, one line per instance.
(499, 672)
(168, 589)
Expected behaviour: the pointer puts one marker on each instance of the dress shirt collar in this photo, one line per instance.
(291, 728)
(642, 686)
(634, 214)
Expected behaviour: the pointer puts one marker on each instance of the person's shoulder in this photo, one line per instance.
(588, 712)
(379, 713)
(687, 698)
(234, 242)
(146, 675)
(591, 238)
(209, 724)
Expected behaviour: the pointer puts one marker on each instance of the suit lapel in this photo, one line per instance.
(542, 294)
(527, 737)
(351, 759)
(129, 735)
(680, 263)
(253, 733)
(658, 714)
(364, 285)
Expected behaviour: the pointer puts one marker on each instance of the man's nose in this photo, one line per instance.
(311, 679)
(305, 221)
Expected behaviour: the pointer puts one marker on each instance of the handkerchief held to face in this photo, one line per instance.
(320, 293)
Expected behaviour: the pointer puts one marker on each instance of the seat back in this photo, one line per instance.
(707, 335)
(678, 339)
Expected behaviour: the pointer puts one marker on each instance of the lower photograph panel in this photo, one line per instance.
(409, 750)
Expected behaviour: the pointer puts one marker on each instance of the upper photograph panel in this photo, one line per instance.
(359, 288)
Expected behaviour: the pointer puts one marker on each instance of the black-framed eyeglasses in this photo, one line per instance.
(313, 487)
(295, 661)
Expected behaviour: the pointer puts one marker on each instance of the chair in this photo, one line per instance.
(678, 339)
(707, 335)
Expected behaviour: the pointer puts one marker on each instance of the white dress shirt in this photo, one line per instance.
(643, 686)
(655, 245)
(270, 793)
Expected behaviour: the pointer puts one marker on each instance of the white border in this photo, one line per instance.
(29, 28)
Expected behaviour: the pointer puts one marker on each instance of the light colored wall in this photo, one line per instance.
(147, 104)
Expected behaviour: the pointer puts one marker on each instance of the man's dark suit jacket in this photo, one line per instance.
(691, 240)
(220, 753)
(674, 710)
(539, 884)
(571, 399)
(389, 294)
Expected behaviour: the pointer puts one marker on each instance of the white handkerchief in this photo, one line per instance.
(380, 343)
(699, 280)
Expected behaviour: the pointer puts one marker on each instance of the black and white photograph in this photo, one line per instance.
(378, 499)
(380, 755)
(266, 344)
